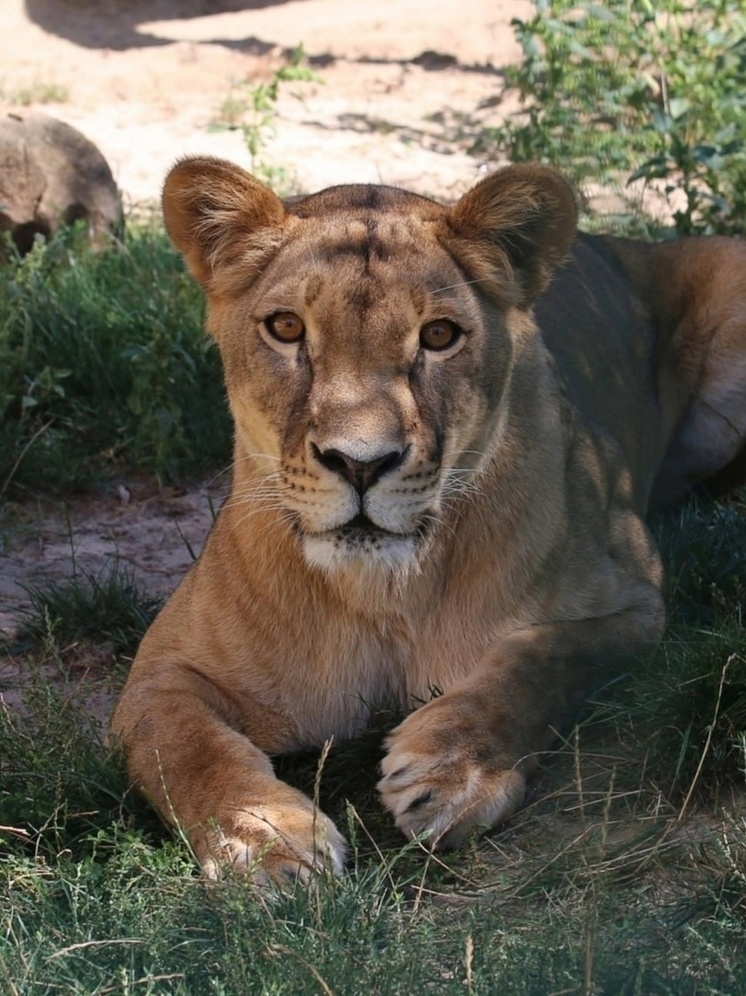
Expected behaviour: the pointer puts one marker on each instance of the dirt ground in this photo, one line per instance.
(400, 80)
(405, 87)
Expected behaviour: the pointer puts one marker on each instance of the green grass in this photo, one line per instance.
(104, 366)
(98, 901)
(625, 873)
(109, 607)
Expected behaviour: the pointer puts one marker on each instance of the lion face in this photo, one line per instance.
(357, 368)
(366, 348)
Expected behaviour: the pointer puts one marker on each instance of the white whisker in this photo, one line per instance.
(461, 283)
(438, 522)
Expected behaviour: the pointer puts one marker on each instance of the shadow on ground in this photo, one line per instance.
(113, 24)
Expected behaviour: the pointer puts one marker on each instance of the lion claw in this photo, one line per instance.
(442, 799)
(273, 847)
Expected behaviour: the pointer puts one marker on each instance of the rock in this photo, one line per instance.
(50, 176)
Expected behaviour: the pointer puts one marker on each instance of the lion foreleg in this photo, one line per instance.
(462, 760)
(211, 782)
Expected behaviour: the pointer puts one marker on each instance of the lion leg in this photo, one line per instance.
(708, 445)
(462, 760)
(209, 780)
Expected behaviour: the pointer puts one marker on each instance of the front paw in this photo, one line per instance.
(442, 777)
(277, 841)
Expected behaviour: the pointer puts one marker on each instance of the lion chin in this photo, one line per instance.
(360, 545)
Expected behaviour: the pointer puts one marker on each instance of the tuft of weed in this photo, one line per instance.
(688, 713)
(703, 545)
(252, 109)
(690, 696)
(108, 607)
(59, 784)
(36, 92)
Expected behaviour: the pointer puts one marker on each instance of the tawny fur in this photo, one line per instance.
(504, 557)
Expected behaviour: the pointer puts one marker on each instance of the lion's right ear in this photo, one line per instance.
(519, 220)
(221, 219)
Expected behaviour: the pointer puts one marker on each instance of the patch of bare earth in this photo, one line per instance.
(405, 86)
(151, 534)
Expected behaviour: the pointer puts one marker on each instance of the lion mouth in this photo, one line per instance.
(360, 541)
(361, 528)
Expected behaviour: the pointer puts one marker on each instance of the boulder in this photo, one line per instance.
(50, 176)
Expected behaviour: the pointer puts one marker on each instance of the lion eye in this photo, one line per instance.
(439, 334)
(285, 327)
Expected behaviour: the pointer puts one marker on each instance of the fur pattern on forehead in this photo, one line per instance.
(519, 222)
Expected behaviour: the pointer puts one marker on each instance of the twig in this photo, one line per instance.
(19, 831)
(94, 944)
(282, 949)
(22, 454)
(142, 981)
(708, 741)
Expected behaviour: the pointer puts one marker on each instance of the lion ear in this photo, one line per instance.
(523, 216)
(223, 220)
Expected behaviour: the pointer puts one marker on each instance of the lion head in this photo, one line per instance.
(368, 337)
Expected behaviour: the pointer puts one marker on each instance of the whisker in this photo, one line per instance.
(457, 488)
(220, 473)
(243, 458)
(439, 523)
(250, 455)
(461, 283)
(254, 497)
(284, 516)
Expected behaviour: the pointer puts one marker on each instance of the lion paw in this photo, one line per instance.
(443, 794)
(273, 844)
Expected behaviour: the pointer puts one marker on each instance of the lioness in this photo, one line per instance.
(450, 423)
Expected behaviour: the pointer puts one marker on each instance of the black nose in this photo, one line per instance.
(360, 473)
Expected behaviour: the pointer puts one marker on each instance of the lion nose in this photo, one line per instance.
(361, 474)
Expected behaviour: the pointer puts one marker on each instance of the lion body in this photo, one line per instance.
(406, 517)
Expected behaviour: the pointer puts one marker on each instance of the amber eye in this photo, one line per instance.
(439, 334)
(285, 327)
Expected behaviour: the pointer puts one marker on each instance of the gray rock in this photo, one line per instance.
(50, 176)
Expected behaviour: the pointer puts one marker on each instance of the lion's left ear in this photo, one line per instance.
(223, 220)
(523, 216)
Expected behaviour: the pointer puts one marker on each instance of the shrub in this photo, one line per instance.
(629, 90)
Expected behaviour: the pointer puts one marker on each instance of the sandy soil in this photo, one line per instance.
(405, 87)
(401, 80)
